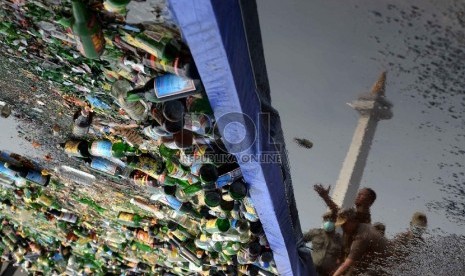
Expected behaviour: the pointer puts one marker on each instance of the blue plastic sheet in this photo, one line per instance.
(239, 94)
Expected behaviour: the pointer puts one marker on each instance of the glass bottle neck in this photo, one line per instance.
(80, 12)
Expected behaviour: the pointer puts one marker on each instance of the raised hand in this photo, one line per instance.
(320, 189)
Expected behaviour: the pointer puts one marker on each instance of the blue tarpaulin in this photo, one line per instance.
(224, 38)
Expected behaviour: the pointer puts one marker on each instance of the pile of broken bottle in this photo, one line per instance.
(157, 192)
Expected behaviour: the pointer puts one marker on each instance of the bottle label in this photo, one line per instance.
(72, 148)
(36, 177)
(229, 177)
(192, 189)
(114, 8)
(200, 151)
(178, 234)
(192, 179)
(69, 217)
(44, 200)
(248, 205)
(126, 217)
(198, 123)
(141, 179)
(195, 169)
(103, 165)
(96, 43)
(97, 103)
(170, 85)
(127, 74)
(7, 172)
(178, 173)
(101, 148)
(210, 225)
(149, 166)
(173, 202)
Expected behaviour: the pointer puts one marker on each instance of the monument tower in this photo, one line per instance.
(372, 108)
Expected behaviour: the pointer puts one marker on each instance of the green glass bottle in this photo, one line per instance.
(226, 206)
(168, 153)
(208, 173)
(167, 180)
(231, 248)
(193, 189)
(154, 43)
(212, 198)
(87, 31)
(178, 171)
(197, 104)
(237, 190)
(172, 228)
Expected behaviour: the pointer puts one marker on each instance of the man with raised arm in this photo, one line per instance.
(365, 198)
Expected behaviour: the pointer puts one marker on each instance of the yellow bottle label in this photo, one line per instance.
(149, 166)
(178, 234)
(203, 238)
(44, 200)
(249, 206)
(106, 86)
(139, 44)
(71, 148)
(114, 8)
(210, 225)
(126, 216)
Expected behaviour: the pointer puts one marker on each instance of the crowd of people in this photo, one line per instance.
(363, 248)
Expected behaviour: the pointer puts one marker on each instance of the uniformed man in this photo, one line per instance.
(365, 244)
(364, 200)
(326, 246)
